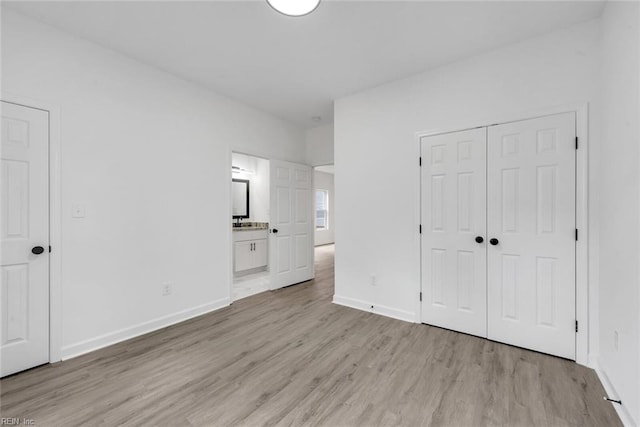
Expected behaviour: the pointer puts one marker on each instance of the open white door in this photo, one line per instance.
(453, 231)
(24, 183)
(291, 224)
(531, 220)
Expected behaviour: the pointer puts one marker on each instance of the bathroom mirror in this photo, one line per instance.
(240, 197)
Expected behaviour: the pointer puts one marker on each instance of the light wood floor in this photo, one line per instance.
(290, 357)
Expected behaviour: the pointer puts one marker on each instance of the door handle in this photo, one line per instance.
(479, 239)
(494, 241)
(275, 230)
(37, 250)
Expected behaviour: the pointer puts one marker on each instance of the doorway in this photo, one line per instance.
(323, 187)
(250, 201)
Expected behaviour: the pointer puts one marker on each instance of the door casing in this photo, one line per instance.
(582, 212)
(55, 219)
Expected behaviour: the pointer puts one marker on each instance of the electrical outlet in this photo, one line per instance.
(166, 289)
(616, 340)
(374, 280)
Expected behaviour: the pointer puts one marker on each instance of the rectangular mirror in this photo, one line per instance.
(240, 197)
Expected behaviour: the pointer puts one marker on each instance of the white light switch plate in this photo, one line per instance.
(78, 210)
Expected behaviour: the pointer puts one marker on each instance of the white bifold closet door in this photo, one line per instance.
(454, 291)
(498, 242)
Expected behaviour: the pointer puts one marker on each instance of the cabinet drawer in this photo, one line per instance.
(242, 236)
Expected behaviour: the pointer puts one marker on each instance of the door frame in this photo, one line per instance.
(55, 218)
(582, 209)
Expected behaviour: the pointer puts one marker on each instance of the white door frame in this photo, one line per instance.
(582, 209)
(55, 219)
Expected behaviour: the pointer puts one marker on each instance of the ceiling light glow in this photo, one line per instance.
(294, 7)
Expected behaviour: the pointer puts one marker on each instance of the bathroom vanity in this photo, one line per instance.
(250, 248)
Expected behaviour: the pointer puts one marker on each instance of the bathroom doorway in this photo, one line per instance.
(250, 225)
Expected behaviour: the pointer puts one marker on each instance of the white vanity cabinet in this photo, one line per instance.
(250, 250)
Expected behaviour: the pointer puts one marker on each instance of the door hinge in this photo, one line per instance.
(420, 229)
(576, 326)
(576, 142)
(420, 296)
(576, 234)
(420, 161)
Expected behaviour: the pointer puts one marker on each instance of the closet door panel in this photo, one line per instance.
(453, 214)
(531, 213)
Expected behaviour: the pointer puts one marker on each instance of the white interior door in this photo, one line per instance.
(453, 217)
(291, 223)
(531, 214)
(24, 298)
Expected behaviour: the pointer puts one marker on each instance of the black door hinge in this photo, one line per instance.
(419, 161)
(576, 142)
(420, 228)
(420, 296)
(576, 326)
(576, 234)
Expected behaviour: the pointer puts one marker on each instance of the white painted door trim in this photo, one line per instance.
(582, 209)
(55, 219)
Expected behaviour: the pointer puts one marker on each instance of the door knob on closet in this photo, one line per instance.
(37, 250)
(479, 239)
(275, 230)
(494, 241)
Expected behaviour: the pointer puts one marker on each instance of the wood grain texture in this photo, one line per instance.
(290, 357)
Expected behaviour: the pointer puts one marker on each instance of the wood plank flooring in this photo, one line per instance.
(291, 357)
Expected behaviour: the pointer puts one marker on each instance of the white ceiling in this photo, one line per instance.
(295, 67)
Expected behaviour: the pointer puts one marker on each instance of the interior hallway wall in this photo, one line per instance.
(319, 145)
(620, 205)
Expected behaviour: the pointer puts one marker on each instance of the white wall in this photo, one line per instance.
(620, 198)
(258, 176)
(319, 145)
(149, 154)
(324, 181)
(376, 154)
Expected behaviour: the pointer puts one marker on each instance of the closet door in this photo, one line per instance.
(453, 224)
(531, 216)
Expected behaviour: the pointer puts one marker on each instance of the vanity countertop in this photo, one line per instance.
(250, 226)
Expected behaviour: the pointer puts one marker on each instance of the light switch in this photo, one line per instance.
(78, 210)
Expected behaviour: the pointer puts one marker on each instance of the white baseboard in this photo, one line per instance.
(111, 338)
(621, 410)
(370, 307)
